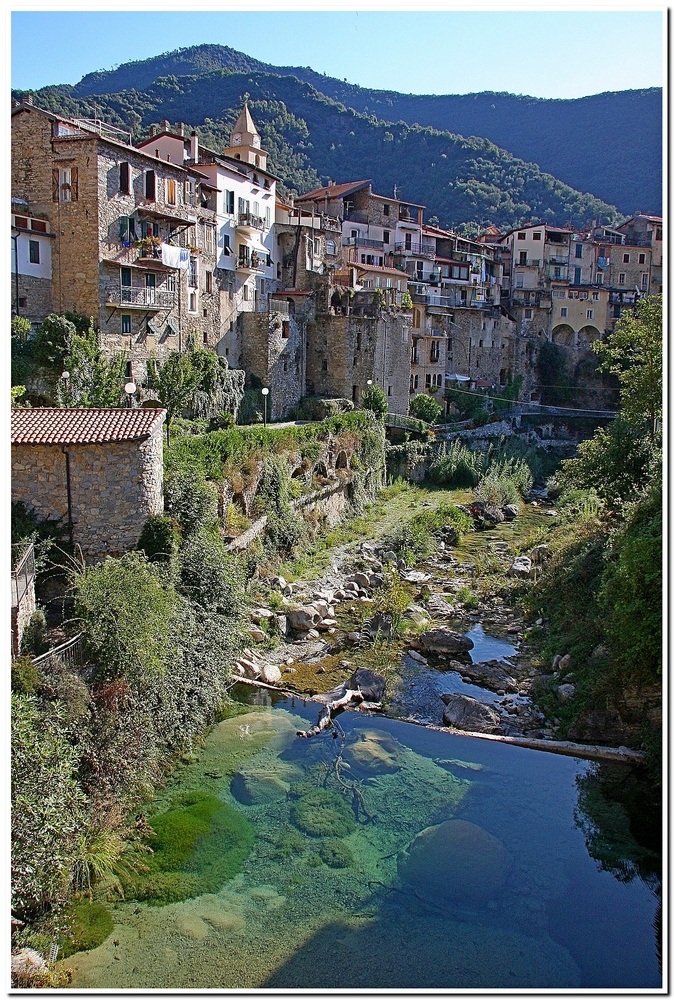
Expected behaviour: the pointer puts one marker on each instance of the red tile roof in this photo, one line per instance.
(332, 191)
(65, 425)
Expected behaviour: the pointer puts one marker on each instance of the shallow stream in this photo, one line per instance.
(499, 891)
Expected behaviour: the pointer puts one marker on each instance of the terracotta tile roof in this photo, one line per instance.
(333, 191)
(65, 425)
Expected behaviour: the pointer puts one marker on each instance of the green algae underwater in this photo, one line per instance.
(288, 863)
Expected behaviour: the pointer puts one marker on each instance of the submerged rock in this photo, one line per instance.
(488, 675)
(373, 752)
(443, 640)
(368, 682)
(254, 788)
(464, 712)
(455, 861)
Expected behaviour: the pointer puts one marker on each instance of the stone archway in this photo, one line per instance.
(564, 335)
(587, 336)
(342, 461)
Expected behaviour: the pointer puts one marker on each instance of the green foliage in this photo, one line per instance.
(159, 538)
(425, 408)
(633, 352)
(319, 408)
(210, 576)
(33, 638)
(557, 386)
(456, 465)
(21, 327)
(95, 378)
(25, 677)
(88, 925)
(46, 535)
(631, 591)
(190, 500)
(174, 382)
(53, 342)
(614, 463)
(504, 482)
(406, 301)
(219, 389)
(200, 843)
(468, 404)
(414, 538)
(48, 807)
(392, 599)
(323, 813)
(374, 399)
(17, 394)
(125, 614)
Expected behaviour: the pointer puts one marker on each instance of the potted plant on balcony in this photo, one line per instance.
(254, 259)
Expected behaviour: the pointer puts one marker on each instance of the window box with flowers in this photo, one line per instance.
(149, 246)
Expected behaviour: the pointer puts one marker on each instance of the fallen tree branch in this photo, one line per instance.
(329, 709)
(584, 751)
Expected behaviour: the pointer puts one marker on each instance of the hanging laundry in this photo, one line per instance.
(175, 256)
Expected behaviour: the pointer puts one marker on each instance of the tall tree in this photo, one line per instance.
(633, 352)
(175, 382)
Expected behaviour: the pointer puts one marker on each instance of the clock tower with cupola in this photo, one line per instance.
(244, 141)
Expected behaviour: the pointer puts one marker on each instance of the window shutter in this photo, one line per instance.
(55, 184)
(124, 178)
(73, 183)
(149, 185)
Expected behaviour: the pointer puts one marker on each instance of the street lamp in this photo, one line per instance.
(65, 380)
(130, 390)
(265, 393)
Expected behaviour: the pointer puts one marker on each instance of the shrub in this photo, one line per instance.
(191, 501)
(374, 399)
(457, 465)
(159, 538)
(125, 614)
(425, 408)
(210, 576)
(25, 677)
(33, 638)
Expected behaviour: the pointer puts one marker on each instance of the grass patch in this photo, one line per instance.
(88, 925)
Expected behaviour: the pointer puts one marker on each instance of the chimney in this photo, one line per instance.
(181, 129)
(28, 99)
(194, 146)
(165, 126)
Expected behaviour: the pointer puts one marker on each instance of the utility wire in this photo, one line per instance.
(551, 406)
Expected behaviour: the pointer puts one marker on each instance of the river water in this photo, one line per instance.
(470, 865)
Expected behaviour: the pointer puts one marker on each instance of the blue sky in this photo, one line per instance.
(543, 54)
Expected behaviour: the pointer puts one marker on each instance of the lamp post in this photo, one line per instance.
(369, 386)
(265, 393)
(130, 390)
(65, 380)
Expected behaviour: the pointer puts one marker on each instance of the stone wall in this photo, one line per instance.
(344, 352)
(37, 293)
(272, 347)
(113, 487)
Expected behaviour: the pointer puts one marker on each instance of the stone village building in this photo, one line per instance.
(100, 471)
(169, 244)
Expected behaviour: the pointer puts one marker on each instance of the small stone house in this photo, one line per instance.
(98, 470)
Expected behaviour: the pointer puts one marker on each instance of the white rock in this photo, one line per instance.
(270, 674)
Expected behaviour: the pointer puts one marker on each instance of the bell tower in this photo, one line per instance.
(244, 141)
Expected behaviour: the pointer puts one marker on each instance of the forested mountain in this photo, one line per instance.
(312, 138)
(608, 144)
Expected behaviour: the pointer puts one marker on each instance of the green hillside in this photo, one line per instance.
(609, 144)
(312, 138)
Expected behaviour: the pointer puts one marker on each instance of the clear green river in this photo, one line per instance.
(382, 855)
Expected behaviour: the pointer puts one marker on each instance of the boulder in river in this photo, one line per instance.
(370, 684)
(303, 619)
(270, 674)
(374, 752)
(464, 712)
(456, 862)
(443, 640)
(489, 675)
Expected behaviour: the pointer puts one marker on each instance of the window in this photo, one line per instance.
(644, 281)
(34, 251)
(576, 275)
(190, 192)
(226, 248)
(523, 258)
(324, 365)
(209, 238)
(537, 236)
(229, 202)
(595, 296)
(124, 178)
(435, 350)
(387, 210)
(521, 236)
(621, 278)
(209, 281)
(579, 249)
(389, 391)
(558, 293)
(626, 258)
(149, 185)
(387, 236)
(642, 258)
(171, 283)
(519, 281)
(245, 293)
(285, 329)
(564, 311)
(170, 191)
(528, 314)
(267, 217)
(127, 229)
(193, 273)
(428, 381)
(192, 307)
(658, 234)
(64, 184)
(126, 324)
(330, 248)
(589, 314)
(600, 278)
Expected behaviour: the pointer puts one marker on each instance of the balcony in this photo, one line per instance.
(128, 297)
(247, 222)
(423, 249)
(529, 263)
(251, 262)
(361, 241)
(557, 259)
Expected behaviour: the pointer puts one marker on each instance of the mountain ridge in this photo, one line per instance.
(608, 144)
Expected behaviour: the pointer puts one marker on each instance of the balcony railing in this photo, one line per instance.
(246, 220)
(422, 249)
(527, 263)
(361, 241)
(558, 259)
(148, 298)
(23, 574)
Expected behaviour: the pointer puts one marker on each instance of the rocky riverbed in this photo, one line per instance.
(459, 657)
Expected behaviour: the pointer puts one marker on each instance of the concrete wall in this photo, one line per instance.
(113, 488)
